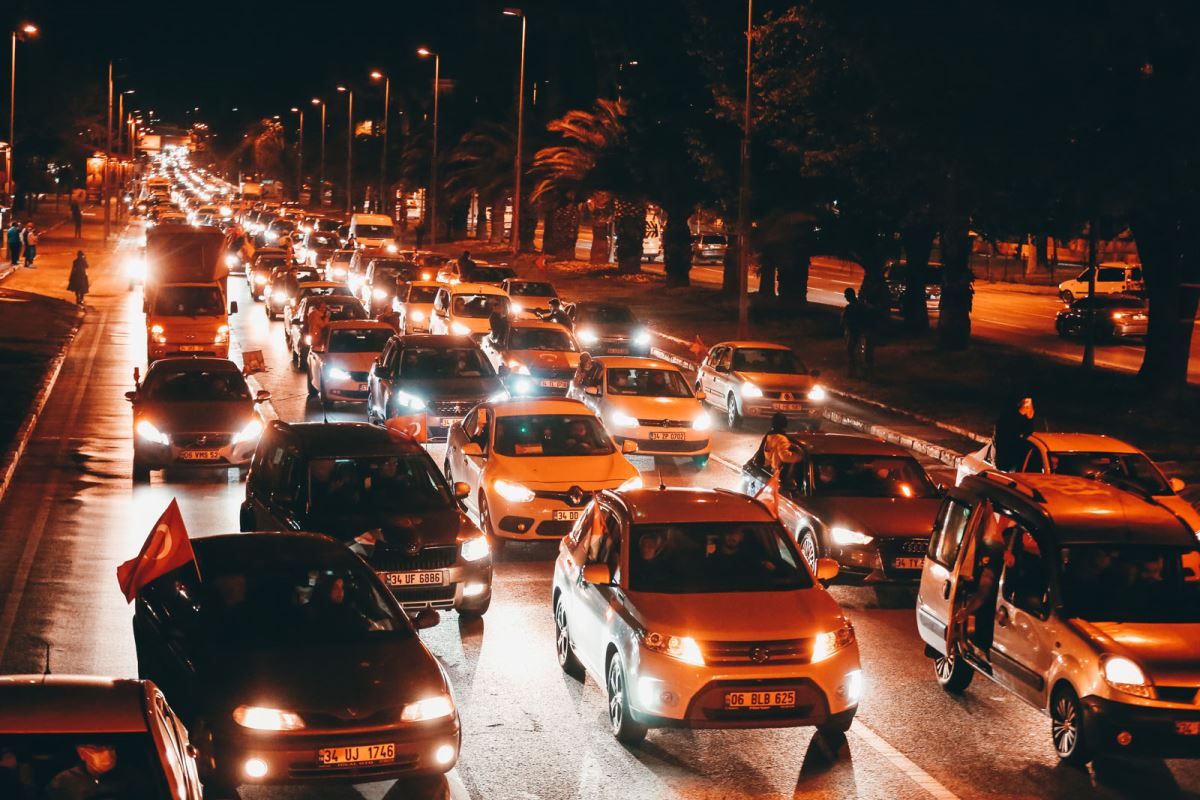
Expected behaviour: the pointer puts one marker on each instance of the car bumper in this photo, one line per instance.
(159, 350)
(1152, 729)
(864, 564)
(346, 389)
(690, 444)
(1129, 329)
(540, 519)
(162, 456)
(293, 757)
(666, 692)
(465, 585)
(792, 409)
(538, 386)
(616, 347)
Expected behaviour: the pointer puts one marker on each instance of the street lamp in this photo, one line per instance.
(349, 148)
(515, 234)
(299, 151)
(108, 155)
(425, 52)
(121, 118)
(316, 101)
(744, 192)
(23, 31)
(387, 94)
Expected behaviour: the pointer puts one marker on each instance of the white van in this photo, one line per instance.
(373, 230)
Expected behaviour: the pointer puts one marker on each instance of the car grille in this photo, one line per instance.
(553, 527)
(671, 446)
(317, 720)
(452, 408)
(565, 497)
(429, 558)
(425, 596)
(1177, 694)
(665, 423)
(778, 651)
(207, 441)
(791, 397)
(909, 547)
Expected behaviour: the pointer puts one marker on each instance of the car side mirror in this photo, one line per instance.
(426, 618)
(262, 396)
(594, 391)
(472, 449)
(597, 574)
(701, 394)
(131, 396)
(629, 446)
(1177, 485)
(721, 368)
(827, 569)
(461, 489)
(233, 307)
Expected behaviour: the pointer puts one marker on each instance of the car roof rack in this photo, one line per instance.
(1004, 479)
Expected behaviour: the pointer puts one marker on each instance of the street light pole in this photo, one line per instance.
(321, 189)
(349, 148)
(299, 153)
(433, 179)
(515, 233)
(24, 29)
(744, 192)
(387, 95)
(107, 155)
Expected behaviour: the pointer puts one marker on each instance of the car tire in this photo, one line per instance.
(624, 727)
(567, 659)
(1067, 296)
(295, 360)
(141, 472)
(810, 549)
(700, 462)
(1061, 327)
(732, 418)
(326, 403)
(485, 525)
(308, 384)
(953, 674)
(1067, 729)
(475, 612)
(246, 520)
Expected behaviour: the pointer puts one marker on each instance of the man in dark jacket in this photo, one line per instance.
(77, 218)
(14, 243)
(78, 281)
(1013, 429)
(858, 324)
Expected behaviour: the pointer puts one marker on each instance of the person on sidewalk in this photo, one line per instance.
(29, 243)
(857, 323)
(14, 243)
(77, 218)
(78, 282)
(1014, 426)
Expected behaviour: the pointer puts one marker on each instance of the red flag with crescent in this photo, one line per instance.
(768, 495)
(166, 548)
(698, 348)
(412, 426)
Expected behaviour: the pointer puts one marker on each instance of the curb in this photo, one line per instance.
(267, 409)
(12, 458)
(946, 426)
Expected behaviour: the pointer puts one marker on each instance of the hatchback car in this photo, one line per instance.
(1078, 598)
(609, 329)
(337, 266)
(532, 465)
(193, 412)
(60, 734)
(383, 497)
(383, 278)
(709, 248)
(414, 304)
(1114, 316)
(440, 377)
(529, 297)
(540, 357)
(296, 333)
(693, 608)
(294, 663)
(649, 402)
(464, 309)
(340, 361)
(760, 380)
(865, 503)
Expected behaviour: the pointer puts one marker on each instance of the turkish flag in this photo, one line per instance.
(413, 426)
(166, 548)
(698, 348)
(597, 515)
(769, 495)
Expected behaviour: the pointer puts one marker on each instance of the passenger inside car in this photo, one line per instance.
(57, 766)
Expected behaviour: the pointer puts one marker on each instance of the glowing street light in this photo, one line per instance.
(316, 101)
(425, 52)
(376, 75)
(23, 31)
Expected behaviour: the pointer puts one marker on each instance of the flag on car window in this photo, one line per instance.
(166, 548)
(412, 426)
(768, 495)
(698, 348)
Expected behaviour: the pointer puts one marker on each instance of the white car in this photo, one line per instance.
(1112, 277)
(414, 304)
(529, 297)
(532, 465)
(339, 364)
(648, 402)
(541, 357)
(463, 309)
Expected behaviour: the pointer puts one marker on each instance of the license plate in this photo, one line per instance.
(567, 516)
(362, 387)
(789, 406)
(908, 563)
(552, 384)
(776, 699)
(200, 455)
(657, 436)
(191, 348)
(443, 422)
(619, 351)
(1187, 728)
(430, 578)
(356, 754)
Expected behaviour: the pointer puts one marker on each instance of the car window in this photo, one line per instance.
(49, 765)
(1123, 470)
(723, 357)
(1110, 275)
(845, 475)
(606, 315)
(430, 363)
(765, 359)
(351, 487)
(1130, 583)
(372, 231)
(189, 301)
(422, 294)
(358, 341)
(551, 339)
(948, 529)
(1135, 274)
(530, 289)
(1026, 579)
(635, 382)
(604, 546)
(1034, 461)
(702, 558)
(533, 435)
(478, 306)
(195, 386)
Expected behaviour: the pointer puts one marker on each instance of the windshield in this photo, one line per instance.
(373, 231)
(1131, 583)
(342, 256)
(325, 291)
(422, 294)
(551, 435)
(540, 339)
(383, 484)
(478, 306)
(606, 315)
(330, 225)
(490, 274)
(1119, 469)
(195, 386)
(369, 340)
(870, 476)
(711, 557)
(531, 289)
(767, 359)
(189, 301)
(428, 363)
(647, 383)
(340, 308)
(396, 271)
(51, 765)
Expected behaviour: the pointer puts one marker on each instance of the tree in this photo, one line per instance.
(481, 163)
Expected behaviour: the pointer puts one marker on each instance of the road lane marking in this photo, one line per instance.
(902, 762)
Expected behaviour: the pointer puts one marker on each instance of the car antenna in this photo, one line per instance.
(662, 486)
(46, 669)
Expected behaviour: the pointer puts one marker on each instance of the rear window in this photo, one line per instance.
(373, 231)
(531, 289)
(422, 294)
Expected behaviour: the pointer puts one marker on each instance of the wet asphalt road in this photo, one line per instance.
(72, 515)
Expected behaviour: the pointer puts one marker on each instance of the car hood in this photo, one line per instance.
(1185, 510)
(881, 517)
(675, 408)
(392, 531)
(198, 417)
(741, 616)
(607, 331)
(559, 473)
(778, 382)
(1168, 652)
(451, 388)
(544, 359)
(351, 362)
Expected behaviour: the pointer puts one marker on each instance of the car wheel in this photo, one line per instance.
(325, 401)
(700, 462)
(308, 384)
(476, 611)
(141, 472)
(1061, 327)
(1067, 296)
(1066, 728)
(732, 418)
(562, 643)
(953, 674)
(808, 549)
(624, 726)
(485, 524)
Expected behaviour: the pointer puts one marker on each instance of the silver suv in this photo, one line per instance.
(1079, 598)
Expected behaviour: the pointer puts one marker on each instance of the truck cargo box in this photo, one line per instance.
(184, 254)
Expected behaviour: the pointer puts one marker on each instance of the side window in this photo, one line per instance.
(174, 747)
(1026, 581)
(726, 357)
(1034, 462)
(948, 530)
(468, 423)
(604, 547)
(385, 356)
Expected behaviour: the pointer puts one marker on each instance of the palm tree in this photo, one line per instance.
(481, 163)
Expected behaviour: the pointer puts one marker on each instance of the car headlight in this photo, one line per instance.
(391, 248)
(516, 308)
(434, 707)
(630, 484)
(308, 338)
(249, 433)
(702, 422)
(517, 367)
(226, 211)
(379, 294)
(641, 337)
(339, 374)
(260, 279)
(146, 429)
(417, 315)
(409, 401)
(845, 536)
(623, 420)
(828, 643)
(750, 391)
(684, 648)
(587, 336)
(222, 334)
(458, 329)
(231, 260)
(156, 329)
(261, 718)
(270, 236)
(523, 386)
(512, 491)
(339, 272)
(817, 393)
(279, 296)
(1126, 676)
(499, 397)
(475, 549)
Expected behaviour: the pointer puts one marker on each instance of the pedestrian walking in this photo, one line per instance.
(858, 323)
(14, 243)
(78, 282)
(77, 218)
(29, 243)
(1010, 441)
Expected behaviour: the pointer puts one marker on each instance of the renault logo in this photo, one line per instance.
(575, 495)
(759, 655)
(786, 396)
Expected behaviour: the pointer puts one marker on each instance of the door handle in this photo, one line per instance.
(1002, 617)
(946, 590)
